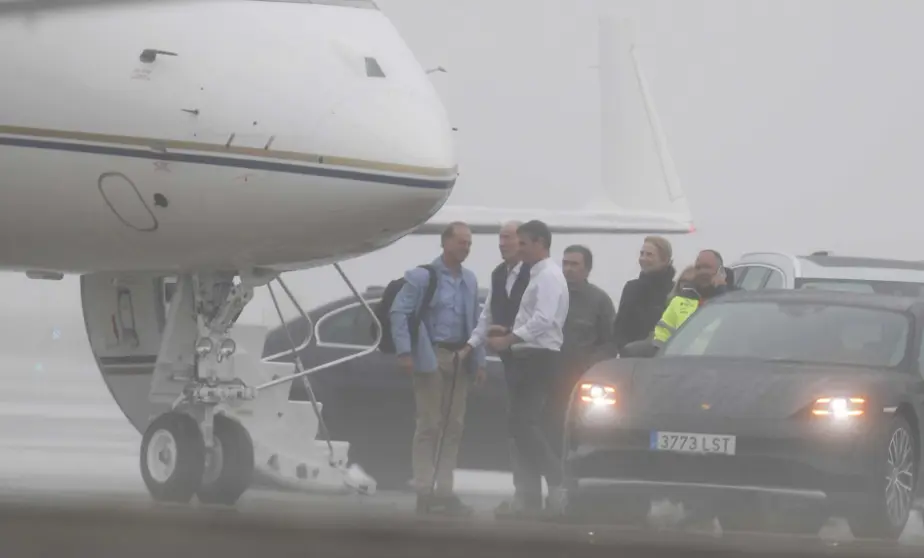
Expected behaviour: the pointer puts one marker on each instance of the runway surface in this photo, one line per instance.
(63, 441)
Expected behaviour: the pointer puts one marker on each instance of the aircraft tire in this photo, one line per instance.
(229, 467)
(172, 457)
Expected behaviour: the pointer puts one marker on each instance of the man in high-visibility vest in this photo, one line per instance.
(708, 283)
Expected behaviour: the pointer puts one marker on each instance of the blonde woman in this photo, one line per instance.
(644, 299)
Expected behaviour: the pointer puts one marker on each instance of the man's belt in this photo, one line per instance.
(455, 346)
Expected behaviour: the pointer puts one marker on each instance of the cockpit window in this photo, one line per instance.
(365, 4)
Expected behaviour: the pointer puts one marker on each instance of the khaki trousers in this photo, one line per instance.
(432, 400)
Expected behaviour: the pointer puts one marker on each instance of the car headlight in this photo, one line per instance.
(839, 408)
(598, 395)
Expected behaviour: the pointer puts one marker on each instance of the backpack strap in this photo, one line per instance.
(431, 290)
(432, 283)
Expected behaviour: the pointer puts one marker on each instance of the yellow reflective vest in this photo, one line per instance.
(678, 310)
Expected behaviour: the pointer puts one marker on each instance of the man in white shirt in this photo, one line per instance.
(535, 342)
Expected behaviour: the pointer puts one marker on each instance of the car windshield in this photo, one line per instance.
(895, 288)
(795, 331)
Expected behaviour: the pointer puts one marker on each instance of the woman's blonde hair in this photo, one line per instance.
(663, 246)
(685, 276)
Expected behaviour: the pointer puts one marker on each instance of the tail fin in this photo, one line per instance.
(639, 193)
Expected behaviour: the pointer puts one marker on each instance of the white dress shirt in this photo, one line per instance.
(543, 309)
(512, 274)
(484, 321)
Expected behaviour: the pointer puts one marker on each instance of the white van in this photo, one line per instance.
(822, 270)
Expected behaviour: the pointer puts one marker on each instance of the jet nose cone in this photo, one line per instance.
(426, 134)
(404, 129)
(368, 100)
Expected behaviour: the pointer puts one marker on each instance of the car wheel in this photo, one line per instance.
(884, 511)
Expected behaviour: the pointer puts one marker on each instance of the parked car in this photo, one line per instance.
(774, 409)
(823, 270)
(369, 402)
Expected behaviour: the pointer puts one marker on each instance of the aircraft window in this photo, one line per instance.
(373, 69)
(776, 280)
(349, 325)
(754, 278)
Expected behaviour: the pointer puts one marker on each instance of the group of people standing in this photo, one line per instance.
(548, 324)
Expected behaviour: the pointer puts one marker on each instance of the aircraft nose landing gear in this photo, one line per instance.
(198, 447)
(194, 450)
(176, 464)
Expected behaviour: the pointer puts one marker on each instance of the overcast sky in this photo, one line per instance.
(795, 125)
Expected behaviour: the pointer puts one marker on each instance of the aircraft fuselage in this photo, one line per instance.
(213, 135)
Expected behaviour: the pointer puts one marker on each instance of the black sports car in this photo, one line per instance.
(772, 410)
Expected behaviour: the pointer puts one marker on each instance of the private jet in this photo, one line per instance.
(177, 156)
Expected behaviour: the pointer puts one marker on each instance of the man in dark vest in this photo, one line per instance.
(508, 281)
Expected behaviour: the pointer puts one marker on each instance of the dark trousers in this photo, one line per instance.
(531, 381)
(507, 360)
(556, 408)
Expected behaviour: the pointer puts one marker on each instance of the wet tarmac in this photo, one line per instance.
(132, 528)
(70, 486)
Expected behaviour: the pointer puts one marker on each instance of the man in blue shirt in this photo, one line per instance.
(440, 388)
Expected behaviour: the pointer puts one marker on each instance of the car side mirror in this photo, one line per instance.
(639, 349)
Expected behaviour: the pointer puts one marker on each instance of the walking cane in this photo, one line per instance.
(439, 441)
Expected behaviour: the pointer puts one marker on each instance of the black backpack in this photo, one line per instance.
(383, 308)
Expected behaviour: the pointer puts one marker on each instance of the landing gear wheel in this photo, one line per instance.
(884, 511)
(229, 463)
(172, 458)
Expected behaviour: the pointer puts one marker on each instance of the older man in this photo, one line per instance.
(441, 377)
(508, 282)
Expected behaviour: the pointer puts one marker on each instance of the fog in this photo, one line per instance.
(793, 126)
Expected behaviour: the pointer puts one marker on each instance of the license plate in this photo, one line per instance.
(687, 442)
